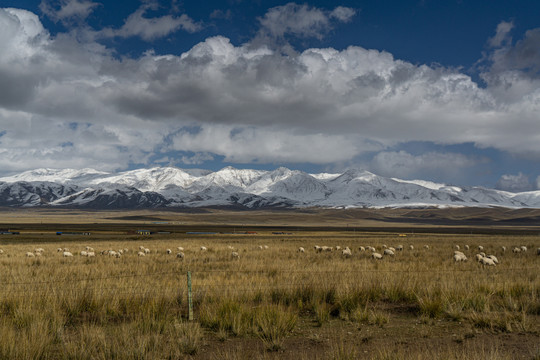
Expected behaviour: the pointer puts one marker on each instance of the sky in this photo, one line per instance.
(447, 91)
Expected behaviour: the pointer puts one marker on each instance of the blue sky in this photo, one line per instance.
(438, 90)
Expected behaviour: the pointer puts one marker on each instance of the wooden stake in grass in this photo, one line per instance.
(190, 297)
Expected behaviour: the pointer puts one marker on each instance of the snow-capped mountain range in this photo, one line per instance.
(174, 187)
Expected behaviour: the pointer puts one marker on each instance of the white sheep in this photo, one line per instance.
(59, 250)
(230, 247)
(487, 261)
(467, 247)
(38, 254)
(266, 247)
(457, 247)
(39, 250)
(399, 248)
(503, 248)
(180, 255)
(1, 251)
(460, 257)
(180, 248)
(426, 247)
(235, 255)
(388, 252)
(90, 254)
(376, 256)
(411, 247)
(327, 248)
(301, 250)
(317, 248)
(84, 253)
(480, 248)
(141, 253)
(67, 254)
(361, 248)
(371, 248)
(479, 257)
(204, 248)
(30, 254)
(146, 251)
(338, 247)
(494, 258)
(516, 250)
(523, 248)
(89, 248)
(392, 248)
(168, 251)
(141, 248)
(347, 252)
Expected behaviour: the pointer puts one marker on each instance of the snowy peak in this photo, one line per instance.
(282, 187)
(61, 176)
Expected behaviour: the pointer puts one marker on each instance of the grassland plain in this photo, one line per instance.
(271, 303)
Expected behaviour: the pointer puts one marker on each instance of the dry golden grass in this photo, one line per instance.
(53, 307)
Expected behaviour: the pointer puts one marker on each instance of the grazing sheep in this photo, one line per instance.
(467, 247)
(230, 247)
(39, 250)
(89, 248)
(146, 251)
(523, 248)
(327, 248)
(235, 255)
(411, 247)
(90, 254)
(480, 248)
(388, 252)
(426, 247)
(141, 248)
(265, 247)
(494, 258)
(140, 253)
(399, 248)
(65, 249)
(479, 257)
(347, 252)
(503, 248)
(457, 247)
(180, 248)
(317, 248)
(376, 256)
(487, 261)
(338, 247)
(67, 254)
(361, 248)
(260, 247)
(30, 254)
(301, 250)
(114, 253)
(168, 251)
(460, 257)
(384, 246)
(59, 250)
(38, 254)
(391, 248)
(84, 253)
(126, 250)
(516, 250)
(1, 251)
(371, 248)
(204, 248)
(180, 255)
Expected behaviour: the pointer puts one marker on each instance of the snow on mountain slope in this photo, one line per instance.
(170, 186)
(55, 176)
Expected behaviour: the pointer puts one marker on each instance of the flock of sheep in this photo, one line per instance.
(459, 256)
